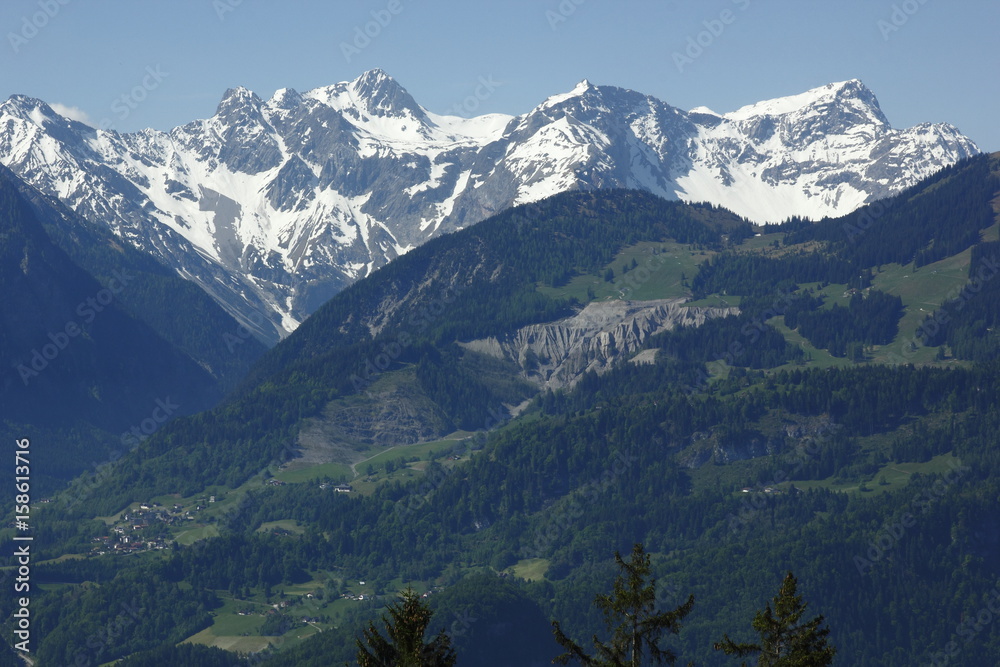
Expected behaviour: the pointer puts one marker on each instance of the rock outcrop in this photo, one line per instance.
(556, 354)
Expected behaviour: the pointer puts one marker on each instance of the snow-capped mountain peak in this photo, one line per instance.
(272, 207)
(579, 90)
(852, 93)
(380, 95)
(239, 106)
(285, 98)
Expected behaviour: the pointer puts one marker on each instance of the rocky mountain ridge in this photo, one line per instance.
(274, 206)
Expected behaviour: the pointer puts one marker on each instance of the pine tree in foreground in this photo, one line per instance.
(784, 641)
(630, 611)
(403, 645)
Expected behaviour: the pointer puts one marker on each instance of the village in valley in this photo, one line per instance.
(151, 526)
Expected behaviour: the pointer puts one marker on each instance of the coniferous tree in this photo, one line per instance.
(403, 645)
(784, 641)
(630, 612)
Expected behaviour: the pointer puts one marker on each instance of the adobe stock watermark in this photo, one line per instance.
(365, 34)
(562, 12)
(970, 628)
(162, 412)
(866, 219)
(81, 487)
(434, 477)
(487, 86)
(124, 105)
(87, 310)
(751, 332)
(900, 16)
(807, 450)
(418, 322)
(893, 531)
(668, 597)
(563, 516)
(703, 40)
(436, 474)
(462, 624)
(243, 332)
(35, 23)
(223, 7)
(953, 303)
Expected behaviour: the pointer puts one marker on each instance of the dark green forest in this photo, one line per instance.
(85, 356)
(876, 484)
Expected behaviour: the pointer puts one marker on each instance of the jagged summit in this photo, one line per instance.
(238, 96)
(582, 88)
(383, 96)
(285, 98)
(272, 207)
(18, 100)
(32, 108)
(240, 105)
(374, 94)
(582, 93)
(850, 95)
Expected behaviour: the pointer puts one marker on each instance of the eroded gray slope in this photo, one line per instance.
(555, 355)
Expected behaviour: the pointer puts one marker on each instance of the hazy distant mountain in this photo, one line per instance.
(274, 206)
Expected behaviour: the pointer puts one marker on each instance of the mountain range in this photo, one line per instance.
(274, 206)
(547, 338)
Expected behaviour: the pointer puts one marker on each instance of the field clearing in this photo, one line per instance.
(421, 450)
(228, 642)
(894, 475)
(531, 569)
(297, 474)
(659, 272)
(192, 535)
(762, 242)
(817, 358)
(291, 525)
(923, 291)
(716, 301)
(234, 632)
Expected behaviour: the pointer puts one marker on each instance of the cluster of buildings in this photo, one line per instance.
(129, 533)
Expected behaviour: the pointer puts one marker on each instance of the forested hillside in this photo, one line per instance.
(842, 425)
(481, 281)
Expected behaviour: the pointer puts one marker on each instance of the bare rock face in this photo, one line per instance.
(556, 354)
(390, 414)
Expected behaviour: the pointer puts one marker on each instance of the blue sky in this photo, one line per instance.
(161, 64)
